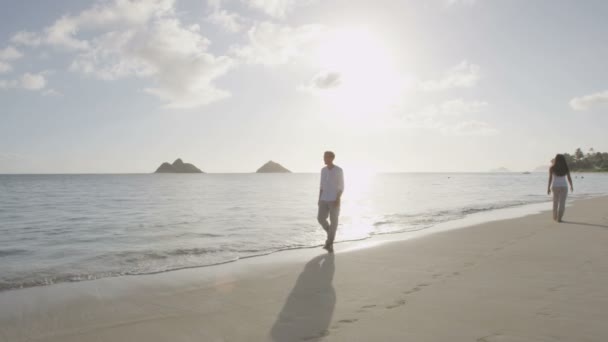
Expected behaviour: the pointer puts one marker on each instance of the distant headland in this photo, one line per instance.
(178, 166)
(592, 161)
(272, 167)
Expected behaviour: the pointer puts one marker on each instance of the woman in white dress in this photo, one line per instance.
(558, 173)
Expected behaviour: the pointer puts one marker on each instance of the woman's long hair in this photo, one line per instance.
(560, 167)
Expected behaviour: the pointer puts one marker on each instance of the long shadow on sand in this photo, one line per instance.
(309, 308)
(585, 224)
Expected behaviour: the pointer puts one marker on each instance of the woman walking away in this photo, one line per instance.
(557, 183)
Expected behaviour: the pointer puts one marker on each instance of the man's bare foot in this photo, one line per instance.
(329, 248)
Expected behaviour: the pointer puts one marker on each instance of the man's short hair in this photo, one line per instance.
(330, 154)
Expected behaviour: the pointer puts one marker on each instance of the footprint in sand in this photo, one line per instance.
(415, 289)
(555, 288)
(365, 308)
(547, 313)
(320, 335)
(397, 304)
(348, 320)
(512, 338)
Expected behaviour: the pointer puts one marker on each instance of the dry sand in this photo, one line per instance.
(523, 279)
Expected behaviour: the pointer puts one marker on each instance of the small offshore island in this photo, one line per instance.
(272, 167)
(178, 166)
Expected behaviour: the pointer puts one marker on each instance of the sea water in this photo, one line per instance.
(60, 228)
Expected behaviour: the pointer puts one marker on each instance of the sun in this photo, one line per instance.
(366, 80)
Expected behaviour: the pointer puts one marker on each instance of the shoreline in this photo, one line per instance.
(374, 239)
(518, 278)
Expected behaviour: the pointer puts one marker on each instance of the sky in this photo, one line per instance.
(120, 86)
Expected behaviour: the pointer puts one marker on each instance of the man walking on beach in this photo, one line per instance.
(332, 186)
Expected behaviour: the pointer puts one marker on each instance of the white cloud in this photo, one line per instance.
(326, 80)
(172, 55)
(33, 81)
(116, 39)
(277, 9)
(214, 4)
(184, 70)
(588, 101)
(62, 32)
(231, 22)
(470, 128)
(27, 81)
(10, 54)
(124, 13)
(273, 44)
(117, 14)
(112, 56)
(51, 92)
(26, 38)
(6, 55)
(274, 8)
(5, 67)
(7, 84)
(463, 75)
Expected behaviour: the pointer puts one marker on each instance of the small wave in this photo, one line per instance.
(410, 222)
(176, 224)
(78, 219)
(137, 257)
(382, 223)
(402, 230)
(194, 251)
(10, 252)
(143, 262)
(469, 211)
(48, 280)
(496, 206)
(201, 235)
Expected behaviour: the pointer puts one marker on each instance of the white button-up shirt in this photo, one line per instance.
(332, 182)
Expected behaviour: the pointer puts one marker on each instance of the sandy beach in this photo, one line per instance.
(522, 279)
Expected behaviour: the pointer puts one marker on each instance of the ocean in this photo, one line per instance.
(65, 228)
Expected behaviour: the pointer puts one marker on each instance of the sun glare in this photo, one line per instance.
(358, 207)
(368, 80)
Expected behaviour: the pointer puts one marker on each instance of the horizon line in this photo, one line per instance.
(254, 172)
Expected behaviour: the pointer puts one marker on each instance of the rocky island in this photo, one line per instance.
(178, 166)
(272, 167)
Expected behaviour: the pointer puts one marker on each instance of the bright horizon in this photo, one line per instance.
(120, 86)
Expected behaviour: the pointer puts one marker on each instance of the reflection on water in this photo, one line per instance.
(357, 209)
